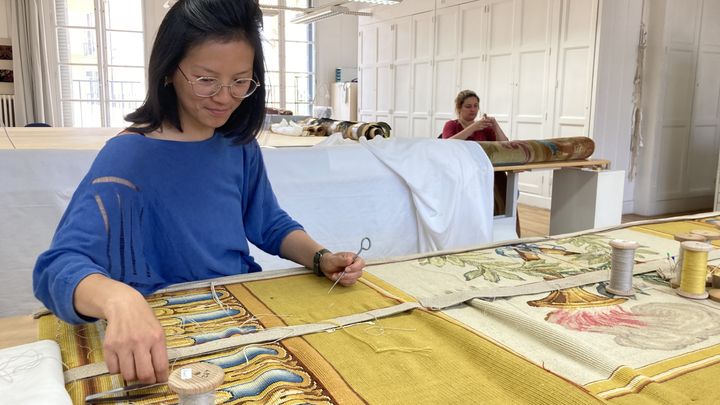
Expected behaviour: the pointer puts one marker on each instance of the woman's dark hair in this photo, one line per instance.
(187, 24)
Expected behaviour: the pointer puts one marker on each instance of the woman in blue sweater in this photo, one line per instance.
(177, 196)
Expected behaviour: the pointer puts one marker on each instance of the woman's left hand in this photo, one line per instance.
(334, 264)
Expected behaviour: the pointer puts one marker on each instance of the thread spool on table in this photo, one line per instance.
(694, 270)
(195, 383)
(714, 222)
(621, 272)
(683, 237)
(708, 234)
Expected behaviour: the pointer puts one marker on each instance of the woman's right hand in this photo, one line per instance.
(134, 343)
(481, 124)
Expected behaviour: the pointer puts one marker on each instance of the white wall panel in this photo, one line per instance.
(707, 89)
(534, 25)
(402, 92)
(385, 43)
(384, 88)
(471, 21)
(403, 39)
(368, 45)
(471, 76)
(423, 36)
(422, 87)
(702, 165)
(368, 84)
(501, 24)
(445, 88)
(672, 155)
(531, 83)
(677, 102)
(579, 23)
(446, 36)
(574, 91)
(710, 30)
(499, 87)
(421, 127)
(401, 126)
(682, 27)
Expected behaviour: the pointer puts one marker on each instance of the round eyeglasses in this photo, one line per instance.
(210, 86)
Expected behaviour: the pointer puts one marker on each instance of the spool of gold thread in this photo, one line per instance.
(694, 270)
(196, 383)
(683, 237)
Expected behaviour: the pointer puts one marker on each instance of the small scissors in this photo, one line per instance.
(363, 246)
(124, 394)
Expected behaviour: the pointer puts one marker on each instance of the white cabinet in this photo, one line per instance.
(531, 62)
(680, 162)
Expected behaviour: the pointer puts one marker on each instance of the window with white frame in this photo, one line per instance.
(289, 56)
(101, 63)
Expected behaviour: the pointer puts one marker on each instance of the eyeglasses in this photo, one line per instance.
(209, 86)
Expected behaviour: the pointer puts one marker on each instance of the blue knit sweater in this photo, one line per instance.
(152, 213)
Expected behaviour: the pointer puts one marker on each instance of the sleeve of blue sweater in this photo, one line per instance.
(266, 224)
(78, 250)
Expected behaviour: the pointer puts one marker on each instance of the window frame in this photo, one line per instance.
(103, 66)
(282, 72)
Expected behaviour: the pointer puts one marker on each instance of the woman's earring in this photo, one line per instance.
(167, 82)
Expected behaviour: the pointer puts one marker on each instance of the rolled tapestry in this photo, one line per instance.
(348, 129)
(507, 153)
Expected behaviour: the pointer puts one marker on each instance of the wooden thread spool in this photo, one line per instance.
(709, 235)
(621, 272)
(714, 222)
(694, 270)
(195, 383)
(683, 237)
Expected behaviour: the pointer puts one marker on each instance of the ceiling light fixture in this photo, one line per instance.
(377, 1)
(325, 12)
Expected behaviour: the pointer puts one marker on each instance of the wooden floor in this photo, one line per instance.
(536, 221)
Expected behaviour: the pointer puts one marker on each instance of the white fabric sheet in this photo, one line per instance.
(32, 374)
(407, 196)
(35, 188)
(341, 194)
(451, 184)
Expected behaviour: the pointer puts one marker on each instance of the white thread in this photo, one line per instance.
(216, 298)
(25, 361)
(206, 398)
(621, 272)
(244, 353)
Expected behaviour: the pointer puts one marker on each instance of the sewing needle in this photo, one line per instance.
(362, 247)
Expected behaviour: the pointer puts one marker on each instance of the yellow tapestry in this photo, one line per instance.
(576, 344)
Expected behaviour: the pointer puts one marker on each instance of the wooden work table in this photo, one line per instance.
(18, 330)
(95, 138)
(583, 164)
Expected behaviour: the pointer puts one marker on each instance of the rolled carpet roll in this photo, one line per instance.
(505, 153)
(349, 129)
(314, 130)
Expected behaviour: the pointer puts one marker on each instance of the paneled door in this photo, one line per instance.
(500, 82)
(459, 57)
(445, 82)
(533, 81)
(367, 67)
(423, 45)
(676, 101)
(705, 127)
(401, 69)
